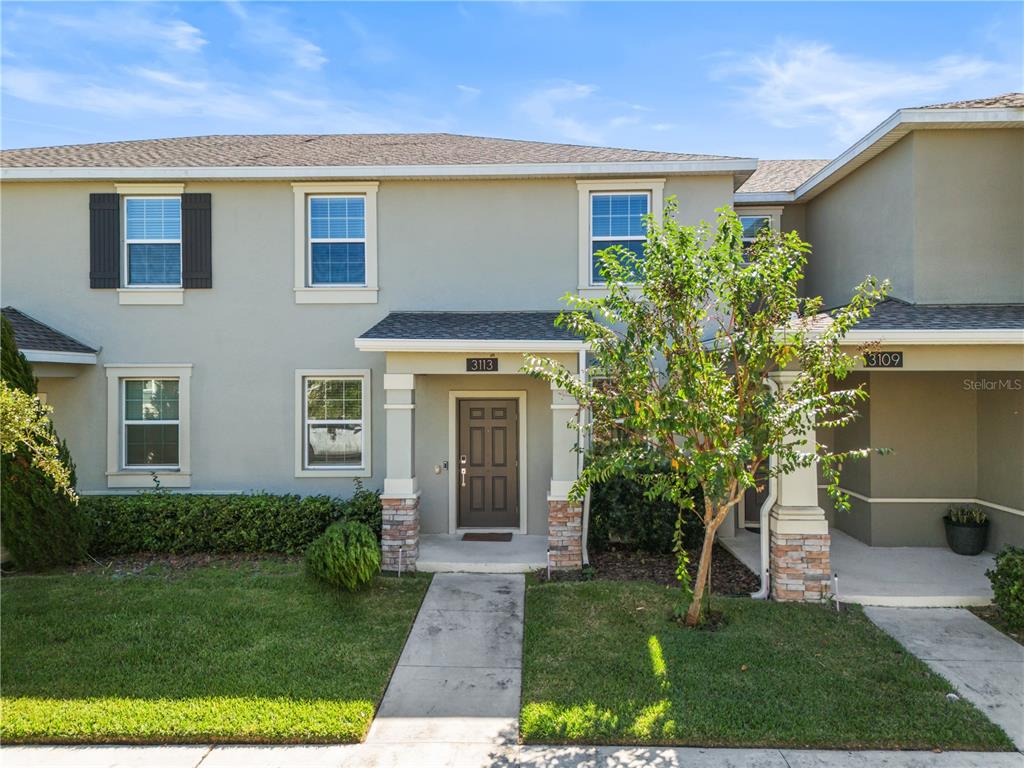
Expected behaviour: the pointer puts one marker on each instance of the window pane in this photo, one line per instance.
(635, 246)
(334, 445)
(151, 444)
(754, 224)
(151, 399)
(338, 263)
(154, 264)
(618, 215)
(334, 399)
(337, 217)
(149, 219)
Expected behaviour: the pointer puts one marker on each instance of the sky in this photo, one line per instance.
(769, 80)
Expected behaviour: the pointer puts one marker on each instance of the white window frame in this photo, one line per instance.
(305, 292)
(301, 470)
(146, 294)
(126, 422)
(655, 189)
(772, 213)
(118, 474)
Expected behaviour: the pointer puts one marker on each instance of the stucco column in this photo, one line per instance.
(400, 536)
(565, 517)
(799, 539)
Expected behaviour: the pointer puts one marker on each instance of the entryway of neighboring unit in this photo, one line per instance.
(487, 467)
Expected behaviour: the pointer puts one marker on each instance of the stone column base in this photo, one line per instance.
(800, 568)
(400, 535)
(565, 534)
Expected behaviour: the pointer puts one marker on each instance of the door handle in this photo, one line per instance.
(463, 473)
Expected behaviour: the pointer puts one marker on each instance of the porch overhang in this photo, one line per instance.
(42, 343)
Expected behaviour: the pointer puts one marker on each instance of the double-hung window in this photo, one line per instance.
(617, 218)
(334, 422)
(152, 236)
(614, 213)
(150, 423)
(337, 240)
(752, 226)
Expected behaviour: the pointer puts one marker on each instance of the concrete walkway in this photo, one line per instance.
(456, 688)
(984, 665)
(475, 756)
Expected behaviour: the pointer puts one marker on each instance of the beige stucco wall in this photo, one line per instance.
(864, 225)
(940, 214)
(951, 436)
(484, 245)
(969, 216)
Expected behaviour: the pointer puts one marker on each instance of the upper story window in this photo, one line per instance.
(617, 218)
(613, 213)
(152, 236)
(337, 240)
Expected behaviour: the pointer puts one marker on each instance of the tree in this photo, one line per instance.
(39, 517)
(685, 342)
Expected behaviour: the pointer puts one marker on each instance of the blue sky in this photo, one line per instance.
(752, 79)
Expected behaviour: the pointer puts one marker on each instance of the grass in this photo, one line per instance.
(604, 663)
(255, 652)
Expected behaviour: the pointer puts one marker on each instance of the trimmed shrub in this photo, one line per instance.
(183, 523)
(346, 555)
(620, 513)
(1008, 585)
(40, 526)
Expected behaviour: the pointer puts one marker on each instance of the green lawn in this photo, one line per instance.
(603, 663)
(247, 653)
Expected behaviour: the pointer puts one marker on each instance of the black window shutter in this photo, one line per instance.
(104, 240)
(196, 241)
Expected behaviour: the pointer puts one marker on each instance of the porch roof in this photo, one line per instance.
(895, 320)
(40, 342)
(509, 331)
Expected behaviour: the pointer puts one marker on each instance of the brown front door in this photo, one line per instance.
(487, 466)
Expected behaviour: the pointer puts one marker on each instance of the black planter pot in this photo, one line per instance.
(966, 539)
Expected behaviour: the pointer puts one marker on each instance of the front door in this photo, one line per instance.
(487, 470)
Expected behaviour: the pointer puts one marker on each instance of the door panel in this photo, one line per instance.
(488, 491)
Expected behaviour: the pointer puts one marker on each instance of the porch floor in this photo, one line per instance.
(446, 553)
(892, 576)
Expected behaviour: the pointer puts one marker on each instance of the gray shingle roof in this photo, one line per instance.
(326, 150)
(474, 326)
(1012, 99)
(899, 315)
(30, 334)
(781, 175)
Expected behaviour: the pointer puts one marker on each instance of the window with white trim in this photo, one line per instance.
(611, 212)
(152, 238)
(150, 423)
(752, 226)
(337, 240)
(334, 422)
(617, 218)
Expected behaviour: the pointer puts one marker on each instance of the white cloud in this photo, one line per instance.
(546, 108)
(810, 83)
(468, 92)
(268, 30)
(132, 27)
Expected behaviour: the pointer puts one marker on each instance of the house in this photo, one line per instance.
(293, 313)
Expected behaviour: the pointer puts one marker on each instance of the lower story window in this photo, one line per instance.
(334, 428)
(150, 423)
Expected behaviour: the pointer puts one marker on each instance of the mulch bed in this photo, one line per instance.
(143, 561)
(728, 575)
(992, 615)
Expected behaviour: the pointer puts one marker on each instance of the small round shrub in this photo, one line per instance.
(1008, 585)
(347, 555)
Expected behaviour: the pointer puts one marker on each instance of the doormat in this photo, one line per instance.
(487, 537)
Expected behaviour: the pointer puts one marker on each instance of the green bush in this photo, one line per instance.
(1008, 585)
(181, 523)
(346, 555)
(364, 506)
(40, 527)
(619, 512)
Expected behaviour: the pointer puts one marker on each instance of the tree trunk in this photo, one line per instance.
(700, 586)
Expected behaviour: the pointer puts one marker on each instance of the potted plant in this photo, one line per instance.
(966, 530)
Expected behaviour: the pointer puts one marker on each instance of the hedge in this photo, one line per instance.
(184, 523)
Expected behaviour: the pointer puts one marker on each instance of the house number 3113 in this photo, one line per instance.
(481, 364)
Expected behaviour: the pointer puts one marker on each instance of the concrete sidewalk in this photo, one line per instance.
(984, 665)
(457, 683)
(478, 756)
